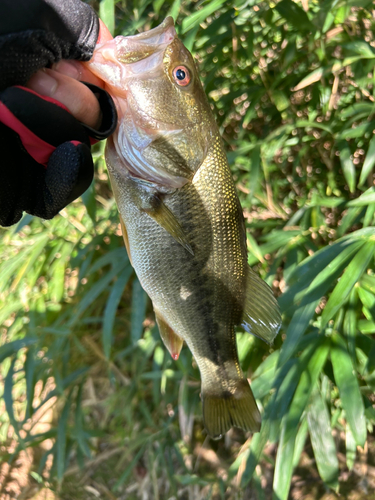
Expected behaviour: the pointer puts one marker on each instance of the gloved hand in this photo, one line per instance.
(45, 160)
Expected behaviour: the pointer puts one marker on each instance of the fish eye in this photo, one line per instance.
(181, 76)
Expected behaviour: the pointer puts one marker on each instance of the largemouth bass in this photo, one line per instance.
(181, 217)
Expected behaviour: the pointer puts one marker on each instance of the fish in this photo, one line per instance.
(181, 217)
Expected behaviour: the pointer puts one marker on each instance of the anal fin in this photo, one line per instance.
(171, 340)
(261, 315)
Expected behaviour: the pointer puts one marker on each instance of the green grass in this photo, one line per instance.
(293, 93)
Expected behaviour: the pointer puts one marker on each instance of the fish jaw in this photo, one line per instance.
(117, 60)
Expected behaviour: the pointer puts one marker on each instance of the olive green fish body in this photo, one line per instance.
(182, 221)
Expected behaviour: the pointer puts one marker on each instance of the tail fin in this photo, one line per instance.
(230, 408)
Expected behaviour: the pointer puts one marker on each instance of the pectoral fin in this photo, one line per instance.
(150, 201)
(261, 315)
(126, 239)
(171, 340)
(165, 218)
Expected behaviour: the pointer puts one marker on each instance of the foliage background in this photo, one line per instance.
(88, 389)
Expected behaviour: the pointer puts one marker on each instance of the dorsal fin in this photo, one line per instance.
(261, 315)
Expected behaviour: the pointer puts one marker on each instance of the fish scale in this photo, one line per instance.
(186, 238)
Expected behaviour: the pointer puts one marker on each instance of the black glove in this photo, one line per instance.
(45, 160)
(36, 33)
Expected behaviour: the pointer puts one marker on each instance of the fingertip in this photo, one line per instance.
(78, 71)
(74, 95)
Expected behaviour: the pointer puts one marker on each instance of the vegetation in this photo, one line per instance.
(87, 386)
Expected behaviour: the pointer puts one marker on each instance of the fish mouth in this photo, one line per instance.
(164, 33)
(122, 58)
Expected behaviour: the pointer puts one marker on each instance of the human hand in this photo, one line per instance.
(62, 82)
(46, 161)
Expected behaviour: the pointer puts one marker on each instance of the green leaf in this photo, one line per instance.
(10, 266)
(291, 421)
(82, 442)
(61, 440)
(175, 9)
(352, 217)
(8, 400)
(319, 201)
(119, 254)
(295, 15)
(254, 171)
(250, 458)
(325, 452)
(358, 3)
(98, 288)
(30, 380)
(368, 283)
(280, 100)
(369, 162)
(128, 470)
(356, 132)
(264, 376)
(368, 300)
(348, 167)
(296, 328)
(88, 197)
(197, 17)
(350, 394)
(57, 283)
(107, 14)
(365, 199)
(352, 274)
(111, 308)
(189, 39)
(307, 124)
(37, 248)
(308, 269)
(279, 239)
(284, 462)
(139, 302)
(254, 248)
(350, 323)
(316, 274)
(361, 48)
(191, 479)
(157, 5)
(312, 77)
(358, 110)
(14, 346)
(308, 378)
(369, 216)
(366, 327)
(300, 442)
(351, 448)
